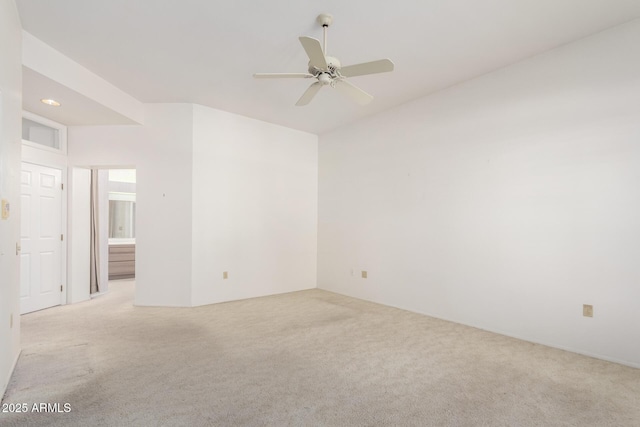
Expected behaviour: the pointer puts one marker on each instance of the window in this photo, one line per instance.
(39, 133)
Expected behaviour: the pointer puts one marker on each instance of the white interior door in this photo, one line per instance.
(41, 241)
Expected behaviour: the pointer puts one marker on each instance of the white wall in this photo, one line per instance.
(79, 226)
(215, 192)
(161, 151)
(10, 140)
(505, 202)
(254, 207)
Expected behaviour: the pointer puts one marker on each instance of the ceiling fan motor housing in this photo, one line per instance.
(333, 65)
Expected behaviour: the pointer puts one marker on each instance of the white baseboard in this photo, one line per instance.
(606, 358)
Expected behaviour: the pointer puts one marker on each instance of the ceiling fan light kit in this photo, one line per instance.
(328, 71)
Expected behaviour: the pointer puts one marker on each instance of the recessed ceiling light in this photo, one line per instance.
(51, 102)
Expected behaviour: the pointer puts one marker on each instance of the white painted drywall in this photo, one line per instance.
(254, 207)
(189, 159)
(506, 202)
(79, 242)
(161, 151)
(43, 59)
(10, 140)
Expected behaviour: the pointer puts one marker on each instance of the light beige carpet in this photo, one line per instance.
(306, 358)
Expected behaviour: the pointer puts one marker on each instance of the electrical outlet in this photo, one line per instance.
(364, 274)
(587, 310)
(225, 274)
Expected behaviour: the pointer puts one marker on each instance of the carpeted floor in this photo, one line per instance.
(305, 359)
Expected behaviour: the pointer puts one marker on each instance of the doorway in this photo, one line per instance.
(43, 214)
(90, 224)
(41, 237)
(122, 223)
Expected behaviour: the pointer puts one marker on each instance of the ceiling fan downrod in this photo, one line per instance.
(325, 20)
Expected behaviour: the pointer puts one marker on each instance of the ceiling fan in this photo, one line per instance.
(327, 70)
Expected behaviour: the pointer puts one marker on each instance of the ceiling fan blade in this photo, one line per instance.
(282, 75)
(308, 95)
(373, 67)
(314, 52)
(353, 92)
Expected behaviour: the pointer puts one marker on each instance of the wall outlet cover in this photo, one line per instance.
(587, 310)
(364, 274)
(225, 274)
(6, 209)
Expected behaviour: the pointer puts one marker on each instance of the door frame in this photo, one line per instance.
(63, 230)
(55, 159)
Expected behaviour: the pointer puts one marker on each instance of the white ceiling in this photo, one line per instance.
(205, 51)
(76, 108)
